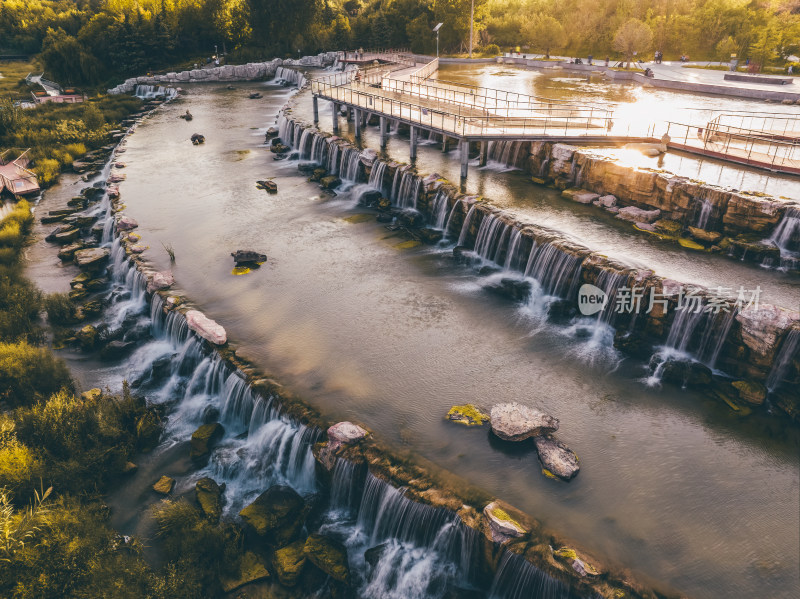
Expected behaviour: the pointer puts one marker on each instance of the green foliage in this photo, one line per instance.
(19, 464)
(491, 50)
(19, 528)
(20, 302)
(28, 373)
(544, 33)
(633, 39)
(60, 309)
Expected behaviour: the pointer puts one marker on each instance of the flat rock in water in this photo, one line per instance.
(248, 257)
(515, 422)
(557, 458)
(273, 509)
(288, 563)
(502, 525)
(160, 281)
(206, 328)
(329, 555)
(164, 485)
(204, 438)
(91, 257)
(251, 569)
(126, 223)
(344, 433)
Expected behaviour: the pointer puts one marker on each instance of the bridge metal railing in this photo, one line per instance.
(777, 125)
(750, 147)
(461, 120)
(426, 72)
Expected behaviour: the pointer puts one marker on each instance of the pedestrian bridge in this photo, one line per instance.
(395, 87)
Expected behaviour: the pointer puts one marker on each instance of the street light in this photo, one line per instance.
(436, 31)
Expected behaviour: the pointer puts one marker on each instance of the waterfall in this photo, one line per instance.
(333, 159)
(453, 212)
(556, 271)
(377, 175)
(284, 127)
(345, 496)
(704, 214)
(683, 326)
(304, 145)
(286, 76)
(714, 336)
(319, 149)
(406, 188)
(787, 353)
(467, 223)
(512, 254)
(517, 578)
(439, 210)
(787, 230)
(505, 152)
(349, 164)
(543, 168)
(491, 233)
(149, 92)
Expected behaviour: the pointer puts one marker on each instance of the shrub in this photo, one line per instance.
(491, 50)
(11, 234)
(60, 309)
(77, 149)
(28, 373)
(19, 465)
(20, 302)
(8, 256)
(47, 170)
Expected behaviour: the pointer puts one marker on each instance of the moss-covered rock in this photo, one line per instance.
(91, 395)
(87, 336)
(209, 495)
(251, 569)
(204, 438)
(468, 414)
(668, 227)
(330, 182)
(689, 244)
(275, 513)
(289, 562)
(328, 555)
(164, 485)
(751, 391)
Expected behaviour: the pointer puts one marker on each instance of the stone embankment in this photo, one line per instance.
(242, 72)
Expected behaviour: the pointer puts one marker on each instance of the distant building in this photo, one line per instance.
(69, 96)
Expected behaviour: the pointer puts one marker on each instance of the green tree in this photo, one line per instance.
(632, 38)
(544, 33)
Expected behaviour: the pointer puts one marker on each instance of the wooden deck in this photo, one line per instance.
(16, 179)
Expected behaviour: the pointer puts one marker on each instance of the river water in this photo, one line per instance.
(672, 485)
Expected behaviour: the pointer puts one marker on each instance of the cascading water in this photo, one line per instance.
(704, 212)
(557, 271)
(789, 351)
(286, 76)
(406, 188)
(505, 153)
(377, 176)
(149, 92)
(462, 238)
(788, 230)
(440, 210)
(517, 578)
(349, 165)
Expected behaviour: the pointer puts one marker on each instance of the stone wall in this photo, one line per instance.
(241, 72)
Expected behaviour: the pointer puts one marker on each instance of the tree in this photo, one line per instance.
(544, 33)
(725, 48)
(633, 37)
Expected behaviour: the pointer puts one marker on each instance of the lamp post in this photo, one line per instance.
(436, 31)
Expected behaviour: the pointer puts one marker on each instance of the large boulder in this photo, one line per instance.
(209, 495)
(637, 215)
(328, 555)
(148, 431)
(468, 414)
(204, 438)
(503, 525)
(91, 258)
(289, 562)
(339, 435)
(206, 328)
(557, 458)
(516, 422)
(763, 326)
(275, 513)
(160, 281)
(164, 485)
(581, 196)
(251, 569)
(126, 223)
(751, 391)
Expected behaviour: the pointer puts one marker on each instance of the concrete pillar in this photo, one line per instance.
(464, 146)
(445, 144)
(357, 119)
(413, 136)
(384, 130)
(335, 117)
(484, 153)
(316, 110)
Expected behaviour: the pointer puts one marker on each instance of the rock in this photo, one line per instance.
(557, 458)
(581, 196)
(204, 438)
(65, 236)
(318, 174)
(206, 328)
(763, 326)
(579, 566)
(126, 223)
(517, 290)
(689, 244)
(368, 157)
(91, 258)
(210, 414)
(67, 252)
(289, 562)
(87, 336)
(248, 257)
(328, 555)
(209, 496)
(164, 485)
(91, 394)
(637, 215)
(607, 201)
(116, 349)
(197, 139)
(272, 132)
(685, 373)
(751, 391)
(251, 569)
(502, 525)
(275, 513)
(468, 414)
(344, 433)
(148, 431)
(370, 197)
(430, 236)
(709, 237)
(160, 281)
(330, 182)
(516, 422)
(130, 468)
(671, 228)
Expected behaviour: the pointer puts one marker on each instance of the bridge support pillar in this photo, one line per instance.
(445, 144)
(384, 130)
(357, 119)
(316, 110)
(413, 135)
(464, 147)
(335, 111)
(484, 153)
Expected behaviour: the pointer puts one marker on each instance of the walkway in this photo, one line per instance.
(16, 178)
